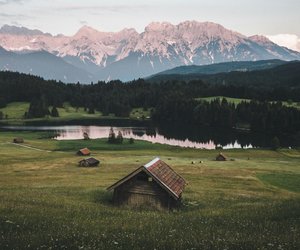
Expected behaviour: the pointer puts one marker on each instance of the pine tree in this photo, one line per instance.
(54, 112)
(111, 136)
(119, 138)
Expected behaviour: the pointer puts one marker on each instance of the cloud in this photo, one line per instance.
(290, 41)
(82, 22)
(3, 2)
(102, 8)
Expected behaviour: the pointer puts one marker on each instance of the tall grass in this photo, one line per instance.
(48, 202)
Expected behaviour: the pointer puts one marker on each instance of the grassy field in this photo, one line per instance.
(239, 100)
(14, 113)
(47, 202)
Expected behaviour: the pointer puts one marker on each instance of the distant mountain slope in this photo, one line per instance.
(287, 74)
(222, 67)
(127, 54)
(44, 64)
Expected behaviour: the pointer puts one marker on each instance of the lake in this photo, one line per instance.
(151, 134)
(193, 137)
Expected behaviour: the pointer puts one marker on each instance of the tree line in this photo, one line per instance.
(172, 101)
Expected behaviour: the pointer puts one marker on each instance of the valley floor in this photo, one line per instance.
(47, 201)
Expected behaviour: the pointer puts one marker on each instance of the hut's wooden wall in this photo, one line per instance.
(140, 191)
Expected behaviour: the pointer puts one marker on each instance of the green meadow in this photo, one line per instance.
(236, 101)
(251, 201)
(14, 112)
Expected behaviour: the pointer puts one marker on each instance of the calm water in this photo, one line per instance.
(178, 137)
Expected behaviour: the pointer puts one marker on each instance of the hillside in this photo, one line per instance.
(44, 64)
(216, 68)
(287, 74)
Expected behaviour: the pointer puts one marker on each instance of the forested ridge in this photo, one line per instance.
(171, 101)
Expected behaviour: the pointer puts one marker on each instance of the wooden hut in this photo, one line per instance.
(83, 152)
(18, 140)
(221, 157)
(154, 185)
(90, 162)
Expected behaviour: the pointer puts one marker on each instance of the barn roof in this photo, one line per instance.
(164, 175)
(85, 151)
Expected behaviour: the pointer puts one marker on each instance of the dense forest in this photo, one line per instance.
(170, 101)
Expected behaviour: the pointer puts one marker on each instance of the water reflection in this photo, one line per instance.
(194, 137)
(151, 134)
(137, 133)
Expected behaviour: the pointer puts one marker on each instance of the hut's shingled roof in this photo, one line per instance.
(84, 151)
(221, 155)
(91, 161)
(166, 175)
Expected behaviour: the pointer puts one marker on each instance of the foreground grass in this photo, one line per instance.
(47, 202)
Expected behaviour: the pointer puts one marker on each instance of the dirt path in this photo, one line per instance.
(29, 147)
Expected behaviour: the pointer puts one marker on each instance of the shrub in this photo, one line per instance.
(275, 143)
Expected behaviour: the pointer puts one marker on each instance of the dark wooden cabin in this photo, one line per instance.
(18, 140)
(154, 185)
(83, 152)
(221, 157)
(90, 162)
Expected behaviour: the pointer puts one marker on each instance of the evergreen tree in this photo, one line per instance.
(119, 138)
(111, 136)
(54, 112)
(91, 110)
(38, 109)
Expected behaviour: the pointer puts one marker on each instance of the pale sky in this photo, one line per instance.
(249, 17)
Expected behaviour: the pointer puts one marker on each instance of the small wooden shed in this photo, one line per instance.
(18, 140)
(221, 157)
(90, 162)
(154, 185)
(83, 152)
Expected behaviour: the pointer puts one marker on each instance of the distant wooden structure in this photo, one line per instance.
(154, 185)
(90, 162)
(18, 140)
(221, 157)
(83, 152)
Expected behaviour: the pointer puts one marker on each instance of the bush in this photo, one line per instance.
(275, 143)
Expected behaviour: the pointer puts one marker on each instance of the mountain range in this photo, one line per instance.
(92, 55)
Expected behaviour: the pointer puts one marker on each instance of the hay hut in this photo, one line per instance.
(90, 162)
(221, 157)
(83, 152)
(18, 140)
(154, 185)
